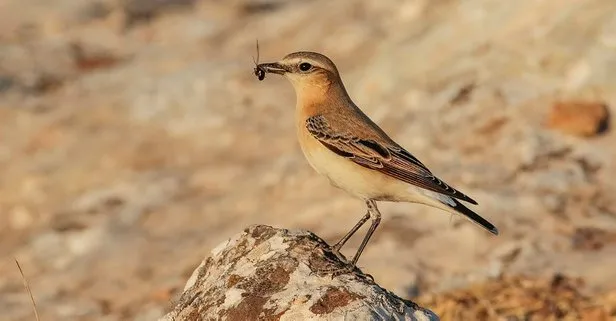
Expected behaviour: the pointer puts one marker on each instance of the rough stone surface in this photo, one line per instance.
(274, 274)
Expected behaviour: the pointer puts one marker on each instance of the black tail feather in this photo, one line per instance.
(474, 217)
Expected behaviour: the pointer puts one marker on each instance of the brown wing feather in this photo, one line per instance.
(392, 160)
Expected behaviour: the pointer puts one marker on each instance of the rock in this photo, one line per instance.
(579, 118)
(266, 273)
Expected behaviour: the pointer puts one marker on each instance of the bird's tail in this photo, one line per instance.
(474, 217)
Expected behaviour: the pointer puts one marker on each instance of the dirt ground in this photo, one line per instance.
(134, 138)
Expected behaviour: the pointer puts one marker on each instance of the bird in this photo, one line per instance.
(343, 144)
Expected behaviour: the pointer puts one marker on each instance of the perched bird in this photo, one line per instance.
(341, 143)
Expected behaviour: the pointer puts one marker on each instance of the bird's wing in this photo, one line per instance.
(390, 159)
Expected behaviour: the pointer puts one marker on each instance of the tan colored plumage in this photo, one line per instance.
(341, 143)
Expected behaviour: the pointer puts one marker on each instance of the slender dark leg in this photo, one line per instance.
(336, 248)
(375, 215)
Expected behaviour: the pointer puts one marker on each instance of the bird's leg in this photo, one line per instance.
(336, 247)
(375, 215)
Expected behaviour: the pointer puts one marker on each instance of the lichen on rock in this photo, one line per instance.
(266, 273)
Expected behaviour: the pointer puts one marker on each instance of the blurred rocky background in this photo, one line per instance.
(134, 138)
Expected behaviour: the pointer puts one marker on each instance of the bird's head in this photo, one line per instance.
(305, 70)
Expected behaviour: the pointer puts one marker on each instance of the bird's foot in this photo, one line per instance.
(337, 268)
(346, 268)
(342, 266)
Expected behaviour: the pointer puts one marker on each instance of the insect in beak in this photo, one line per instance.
(259, 71)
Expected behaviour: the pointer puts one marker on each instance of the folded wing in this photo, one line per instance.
(387, 158)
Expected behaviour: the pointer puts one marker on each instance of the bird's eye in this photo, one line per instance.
(304, 66)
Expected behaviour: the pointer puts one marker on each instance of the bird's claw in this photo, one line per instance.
(342, 266)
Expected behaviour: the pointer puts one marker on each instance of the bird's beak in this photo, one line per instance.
(274, 68)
